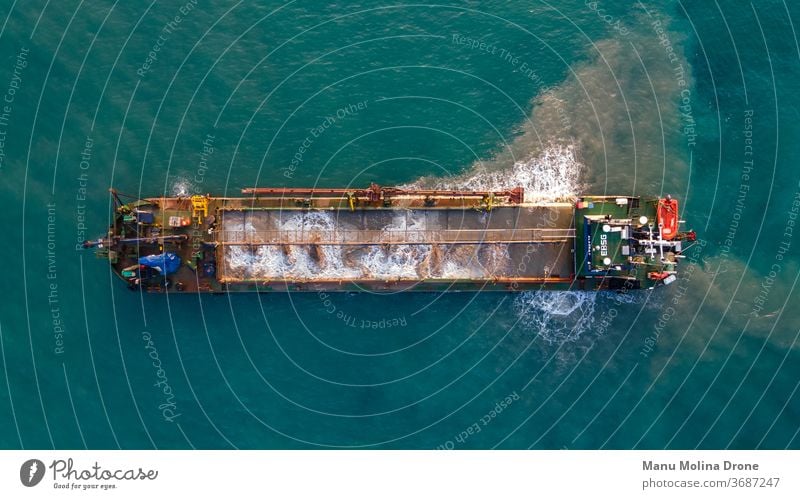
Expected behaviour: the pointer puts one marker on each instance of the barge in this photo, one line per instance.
(389, 239)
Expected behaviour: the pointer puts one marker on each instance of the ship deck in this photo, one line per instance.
(386, 239)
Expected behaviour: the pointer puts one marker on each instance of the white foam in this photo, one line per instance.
(263, 261)
(183, 187)
(309, 221)
(557, 316)
(331, 261)
(451, 270)
(554, 174)
(399, 261)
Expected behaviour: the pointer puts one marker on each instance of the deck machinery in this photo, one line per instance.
(389, 239)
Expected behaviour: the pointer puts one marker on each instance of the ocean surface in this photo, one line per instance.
(696, 99)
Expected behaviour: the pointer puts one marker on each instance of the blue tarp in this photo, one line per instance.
(145, 217)
(165, 263)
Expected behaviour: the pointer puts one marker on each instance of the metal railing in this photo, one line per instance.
(358, 236)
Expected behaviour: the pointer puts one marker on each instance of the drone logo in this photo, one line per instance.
(31, 472)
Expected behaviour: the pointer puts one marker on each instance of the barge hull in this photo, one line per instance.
(387, 240)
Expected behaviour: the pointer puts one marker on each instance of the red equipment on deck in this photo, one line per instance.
(667, 217)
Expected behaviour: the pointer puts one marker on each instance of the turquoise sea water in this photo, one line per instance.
(695, 99)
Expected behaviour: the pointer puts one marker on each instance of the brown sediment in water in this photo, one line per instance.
(435, 260)
(288, 252)
(351, 255)
(425, 266)
(316, 253)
